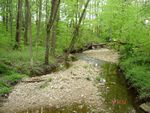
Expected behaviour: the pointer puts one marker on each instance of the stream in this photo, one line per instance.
(118, 98)
(112, 87)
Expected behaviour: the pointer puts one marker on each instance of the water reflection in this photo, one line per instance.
(112, 85)
(117, 97)
(75, 108)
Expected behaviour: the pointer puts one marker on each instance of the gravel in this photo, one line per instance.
(61, 88)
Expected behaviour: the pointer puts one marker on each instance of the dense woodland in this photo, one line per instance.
(38, 32)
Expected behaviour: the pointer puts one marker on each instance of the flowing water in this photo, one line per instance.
(112, 87)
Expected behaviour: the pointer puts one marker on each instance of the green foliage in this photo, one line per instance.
(138, 75)
(3, 69)
(63, 38)
(124, 22)
(87, 36)
(4, 89)
(7, 78)
(136, 67)
(108, 20)
(13, 61)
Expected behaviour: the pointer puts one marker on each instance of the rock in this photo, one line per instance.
(76, 78)
(96, 65)
(133, 111)
(61, 87)
(88, 78)
(82, 95)
(113, 83)
(107, 87)
(102, 81)
(81, 106)
(145, 107)
(74, 112)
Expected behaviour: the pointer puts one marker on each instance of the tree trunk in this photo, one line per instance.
(76, 30)
(46, 11)
(11, 18)
(29, 31)
(3, 12)
(54, 9)
(18, 24)
(27, 23)
(37, 8)
(54, 31)
(39, 21)
(53, 38)
(7, 14)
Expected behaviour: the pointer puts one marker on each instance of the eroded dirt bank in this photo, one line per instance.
(76, 84)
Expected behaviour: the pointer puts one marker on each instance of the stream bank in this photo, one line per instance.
(91, 84)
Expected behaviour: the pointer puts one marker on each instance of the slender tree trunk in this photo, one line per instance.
(7, 14)
(53, 15)
(46, 11)
(76, 30)
(27, 23)
(77, 12)
(39, 21)
(54, 31)
(18, 25)
(53, 38)
(11, 18)
(3, 12)
(37, 10)
(29, 31)
(30, 36)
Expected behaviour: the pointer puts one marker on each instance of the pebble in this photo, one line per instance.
(82, 95)
(74, 112)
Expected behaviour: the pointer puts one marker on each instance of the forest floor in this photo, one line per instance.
(65, 87)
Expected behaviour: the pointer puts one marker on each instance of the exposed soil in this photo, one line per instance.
(75, 84)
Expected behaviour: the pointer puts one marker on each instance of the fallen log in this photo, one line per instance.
(32, 81)
(87, 47)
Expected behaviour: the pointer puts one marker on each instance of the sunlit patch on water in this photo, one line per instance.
(93, 61)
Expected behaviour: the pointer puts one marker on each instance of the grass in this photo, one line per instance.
(14, 64)
(8, 78)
